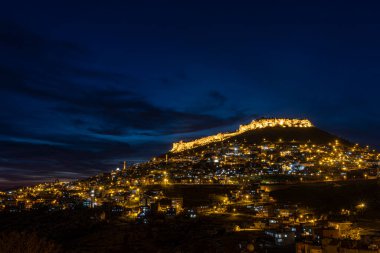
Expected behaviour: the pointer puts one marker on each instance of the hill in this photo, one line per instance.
(289, 134)
(258, 131)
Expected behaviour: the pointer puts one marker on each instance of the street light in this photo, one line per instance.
(361, 206)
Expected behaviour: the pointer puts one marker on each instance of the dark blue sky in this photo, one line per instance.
(85, 85)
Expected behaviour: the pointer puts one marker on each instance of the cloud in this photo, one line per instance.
(117, 114)
(218, 98)
(107, 106)
(62, 119)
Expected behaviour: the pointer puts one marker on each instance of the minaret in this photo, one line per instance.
(125, 165)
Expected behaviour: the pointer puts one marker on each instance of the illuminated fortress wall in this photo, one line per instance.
(255, 124)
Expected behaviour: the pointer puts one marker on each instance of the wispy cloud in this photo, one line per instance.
(70, 116)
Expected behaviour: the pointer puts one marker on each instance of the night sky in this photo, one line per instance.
(86, 85)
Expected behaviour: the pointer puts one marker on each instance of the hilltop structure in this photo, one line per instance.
(255, 124)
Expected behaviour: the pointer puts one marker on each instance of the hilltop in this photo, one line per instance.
(283, 130)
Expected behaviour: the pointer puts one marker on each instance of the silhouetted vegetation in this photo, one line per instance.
(24, 242)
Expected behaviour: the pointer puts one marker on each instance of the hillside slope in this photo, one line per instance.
(275, 134)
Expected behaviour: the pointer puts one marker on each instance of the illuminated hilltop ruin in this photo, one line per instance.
(255, 124)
